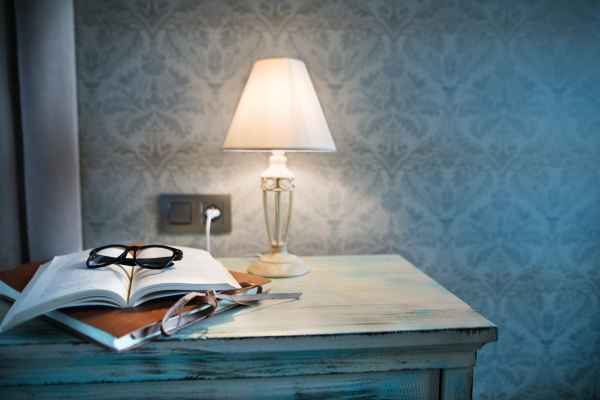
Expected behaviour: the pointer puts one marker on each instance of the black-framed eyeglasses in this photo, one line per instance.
(153, 256)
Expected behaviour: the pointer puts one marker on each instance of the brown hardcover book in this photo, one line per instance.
(116, 329)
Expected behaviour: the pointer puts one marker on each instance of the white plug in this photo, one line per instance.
(211, 213)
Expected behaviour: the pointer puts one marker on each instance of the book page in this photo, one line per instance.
(66, 281)
(68, 275)
(197, 267)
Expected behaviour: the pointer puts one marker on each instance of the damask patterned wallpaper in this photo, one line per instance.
(468, 137)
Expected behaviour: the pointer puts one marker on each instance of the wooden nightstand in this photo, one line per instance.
(365, 327)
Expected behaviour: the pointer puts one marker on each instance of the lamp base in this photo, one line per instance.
(279, 265)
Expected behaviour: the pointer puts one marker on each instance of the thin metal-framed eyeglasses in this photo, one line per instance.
(152, 256)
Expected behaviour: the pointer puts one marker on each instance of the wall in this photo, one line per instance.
(468, 138)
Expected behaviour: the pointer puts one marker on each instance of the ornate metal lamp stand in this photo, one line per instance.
(278, 263)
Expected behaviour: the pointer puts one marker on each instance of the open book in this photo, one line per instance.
(66, 282)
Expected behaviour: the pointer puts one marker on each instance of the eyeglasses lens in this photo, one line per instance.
(154, 257)
(106, 256)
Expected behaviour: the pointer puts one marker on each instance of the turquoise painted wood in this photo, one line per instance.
(405, 385)
(363, 319)
(457, 383)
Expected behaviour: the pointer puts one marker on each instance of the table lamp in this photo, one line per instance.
(279, 111)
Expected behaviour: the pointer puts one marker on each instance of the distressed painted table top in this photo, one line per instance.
(376, 319)
(342, 295)
(349, 295)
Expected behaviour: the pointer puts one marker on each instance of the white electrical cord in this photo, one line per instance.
(211, 214)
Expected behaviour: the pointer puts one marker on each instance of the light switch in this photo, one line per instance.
(180, 213)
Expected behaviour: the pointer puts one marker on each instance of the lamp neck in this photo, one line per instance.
(278, 167)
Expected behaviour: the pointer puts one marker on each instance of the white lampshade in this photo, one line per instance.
(279, 110)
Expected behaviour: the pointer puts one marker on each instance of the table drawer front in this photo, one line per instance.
(402, 385)
(47, 365)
